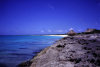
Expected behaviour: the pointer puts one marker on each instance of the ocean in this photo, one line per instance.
(17, 49)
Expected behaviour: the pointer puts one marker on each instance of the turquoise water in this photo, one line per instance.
(16, 49)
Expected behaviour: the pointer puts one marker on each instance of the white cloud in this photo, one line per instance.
(51, 7)
(71, 29)
(79, 30)
(42, 31)
(59, 30)
(49, 31)
(65, 30)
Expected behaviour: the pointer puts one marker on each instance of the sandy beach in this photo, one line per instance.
(57, 35)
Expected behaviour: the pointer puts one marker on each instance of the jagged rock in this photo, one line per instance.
(90, 30)
(71, 51)
(71, 33)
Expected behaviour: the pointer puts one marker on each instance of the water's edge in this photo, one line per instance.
(17, 49)
(29, 62)
(80, 49)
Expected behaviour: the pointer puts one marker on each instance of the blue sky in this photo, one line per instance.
(22, 17)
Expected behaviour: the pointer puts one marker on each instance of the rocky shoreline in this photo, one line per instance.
(72, 51)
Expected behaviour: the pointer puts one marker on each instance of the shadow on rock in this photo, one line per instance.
(3, 65)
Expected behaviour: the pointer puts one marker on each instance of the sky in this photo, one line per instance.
(27, 17)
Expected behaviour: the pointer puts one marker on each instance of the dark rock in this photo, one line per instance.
(25, 64)
(60, 46)
(75, 60)
(3, 65)
(91, 31)
(94, 54)
(78, 60)
(92, 61)
(97, 62)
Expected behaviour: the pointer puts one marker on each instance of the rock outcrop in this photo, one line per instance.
(71, 33)
(72, 51)
(90, 30)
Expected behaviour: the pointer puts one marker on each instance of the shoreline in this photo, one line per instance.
(57, 35)
(71, 50)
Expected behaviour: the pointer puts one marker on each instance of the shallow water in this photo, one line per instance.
(16, 49)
